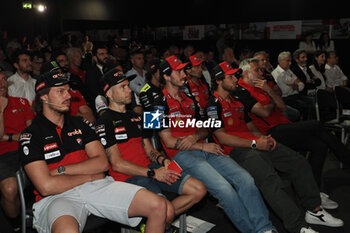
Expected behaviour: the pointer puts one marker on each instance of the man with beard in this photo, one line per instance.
(196, 84)
(137, 61)
(65, 161)
(152, 89)
(21, 84)
(132, 157)
(95, 72)
(222, 176)
(264, 109)
(262, 156)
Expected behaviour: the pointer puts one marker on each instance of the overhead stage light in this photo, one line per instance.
(41, 8)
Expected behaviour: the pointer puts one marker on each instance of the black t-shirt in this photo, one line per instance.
(117, 128)
(125, 130)
(43, 140)
(148, 94)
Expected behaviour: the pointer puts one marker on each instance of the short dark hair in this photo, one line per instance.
(37, 54)
(297, 53)
(57, 53)
(214, 85)
(98, 46)
(17, 53)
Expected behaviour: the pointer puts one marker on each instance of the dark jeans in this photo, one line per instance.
(263, 166)
(313, 137)
(304, 104)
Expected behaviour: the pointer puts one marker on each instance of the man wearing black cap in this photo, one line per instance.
(152, 89)
(223, 177)
(133, 158)
(65, 161)
(78, 105)
(196, 84)
(261, 156)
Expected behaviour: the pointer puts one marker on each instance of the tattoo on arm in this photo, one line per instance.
(178, 140)
(153, 155)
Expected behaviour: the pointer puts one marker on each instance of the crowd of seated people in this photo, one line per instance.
(266, 115)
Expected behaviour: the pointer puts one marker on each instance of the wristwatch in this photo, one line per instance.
(151, 173)
(253, 145)
(61, 170)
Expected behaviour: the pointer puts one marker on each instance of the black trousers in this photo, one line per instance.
(313, 137)
(263, 166)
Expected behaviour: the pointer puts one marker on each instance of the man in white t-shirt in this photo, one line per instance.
(335, 76)
(290, 84)
(21, 84)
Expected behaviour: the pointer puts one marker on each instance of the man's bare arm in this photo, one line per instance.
(97, 162)
(48, 184)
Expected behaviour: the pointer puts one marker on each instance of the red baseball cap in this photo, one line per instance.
(195, 61)
(223, 68)
(173, 63)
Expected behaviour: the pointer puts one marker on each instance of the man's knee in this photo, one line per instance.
(157, 206)
(170, 212)
(9, 188)
(194, 188)
(65, 224)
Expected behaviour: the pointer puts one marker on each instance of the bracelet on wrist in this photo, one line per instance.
(157, 159)
(163, 160)
(9, 137)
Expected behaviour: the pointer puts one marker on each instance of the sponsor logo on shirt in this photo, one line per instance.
(119, 129)
(75, 132)
(50, 146)
(121, 136)
(52, 155)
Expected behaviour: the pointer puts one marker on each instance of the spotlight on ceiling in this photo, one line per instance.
(41, 8)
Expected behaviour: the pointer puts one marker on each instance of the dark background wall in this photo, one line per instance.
(63, 15)
(163, 13)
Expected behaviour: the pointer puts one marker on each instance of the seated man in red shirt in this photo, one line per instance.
(261, 156)
(182, 134)
(65, 161)
(15, 116)
(132, 157)
(265, 110)
(196, 84)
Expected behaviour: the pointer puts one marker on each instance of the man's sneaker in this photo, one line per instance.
(307, 230)
(327, 203)
(322, 217)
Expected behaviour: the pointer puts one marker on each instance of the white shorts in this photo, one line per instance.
(105, 198)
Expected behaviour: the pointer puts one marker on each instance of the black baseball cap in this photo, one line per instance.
(51, 76)
(114, 77)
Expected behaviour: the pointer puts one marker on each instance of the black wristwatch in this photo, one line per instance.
(9, 137)
(61, 170)
(151, 173)
(253, 145)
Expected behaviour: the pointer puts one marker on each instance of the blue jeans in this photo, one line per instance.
(242, 203)
(156, 186)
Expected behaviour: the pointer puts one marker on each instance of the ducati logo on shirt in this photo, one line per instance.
(75, 132)
(79, 141)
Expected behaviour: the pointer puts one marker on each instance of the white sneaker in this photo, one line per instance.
(327, 203)
(307, 230)
(322, 217)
